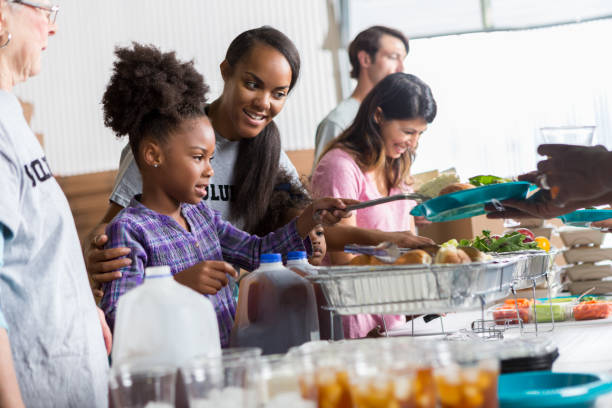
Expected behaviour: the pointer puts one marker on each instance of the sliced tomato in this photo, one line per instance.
(529, 236)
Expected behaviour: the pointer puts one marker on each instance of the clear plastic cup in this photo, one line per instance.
(281, 378)
(241, 353)
(143, 386)
(572, 135)
(466, 375)
(225, 382)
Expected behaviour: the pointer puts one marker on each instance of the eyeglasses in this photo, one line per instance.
(49, 11)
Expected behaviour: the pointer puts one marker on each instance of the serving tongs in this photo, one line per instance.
(387, 252)
(419, 198)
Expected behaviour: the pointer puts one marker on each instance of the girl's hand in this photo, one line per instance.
(206, 277)
(323, 211)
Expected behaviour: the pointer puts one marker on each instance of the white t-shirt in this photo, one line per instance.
(336, 122)
(129, 182)
(53, 326)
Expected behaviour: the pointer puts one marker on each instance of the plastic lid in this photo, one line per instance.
(270, 258)
(157, 271)
(295, 255)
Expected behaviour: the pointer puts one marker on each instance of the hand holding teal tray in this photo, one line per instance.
(470, 203)
(584, 218)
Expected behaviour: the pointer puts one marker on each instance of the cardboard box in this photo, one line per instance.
(466, 228)
(302, 160)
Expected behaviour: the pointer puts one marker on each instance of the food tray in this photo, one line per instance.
(415, 289)
(583, 218)
(587, 254)
(601, 287)
(469, 203)
(573, 236)
(588, 271)
(545, 313)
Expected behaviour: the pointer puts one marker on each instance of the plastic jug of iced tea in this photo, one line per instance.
(276, 309)
(298, 262)
(164, 322)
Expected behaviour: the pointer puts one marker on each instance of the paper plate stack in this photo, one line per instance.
(588, 263)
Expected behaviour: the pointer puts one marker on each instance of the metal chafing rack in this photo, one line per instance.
(429, 289)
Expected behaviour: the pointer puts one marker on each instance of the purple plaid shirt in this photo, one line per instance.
(156, 239)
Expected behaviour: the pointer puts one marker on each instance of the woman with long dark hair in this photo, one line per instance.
(372, 159)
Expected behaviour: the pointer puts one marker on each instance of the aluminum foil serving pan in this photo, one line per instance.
(414, 289)
(532, 265)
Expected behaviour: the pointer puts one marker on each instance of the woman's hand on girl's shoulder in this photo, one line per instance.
(103, 265)
(207, 277)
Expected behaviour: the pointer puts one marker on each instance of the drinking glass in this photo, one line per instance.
(466, 375)
(143, 386)
(221, 382)
(573, 135)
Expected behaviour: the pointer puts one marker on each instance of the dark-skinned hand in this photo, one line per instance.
(207, 277)
(576, 173)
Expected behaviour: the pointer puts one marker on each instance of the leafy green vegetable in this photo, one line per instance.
(511, 242)
(486, 180)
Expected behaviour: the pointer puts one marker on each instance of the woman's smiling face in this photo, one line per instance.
(401, 135)
(255, 90)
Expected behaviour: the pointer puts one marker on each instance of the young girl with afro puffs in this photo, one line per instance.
(159, 102)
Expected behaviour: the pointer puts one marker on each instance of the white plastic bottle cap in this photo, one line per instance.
(157, 272)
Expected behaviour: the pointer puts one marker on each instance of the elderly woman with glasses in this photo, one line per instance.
(51, 342)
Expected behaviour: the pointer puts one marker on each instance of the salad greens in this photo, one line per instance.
(486, 180)
(512, 241)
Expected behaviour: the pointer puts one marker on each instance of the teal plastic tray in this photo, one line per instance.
(583, 218)
(548, 389)
(469, 203)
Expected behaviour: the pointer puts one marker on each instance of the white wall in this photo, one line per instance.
(78, 61)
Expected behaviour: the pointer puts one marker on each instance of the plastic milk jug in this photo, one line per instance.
(298, 262)
(276, 309)
(164, 322)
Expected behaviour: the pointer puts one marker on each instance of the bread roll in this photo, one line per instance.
(432, 249)
(451, 255)
(360, 260)
(416, 256)
(451, 188)
(366, 260)
(474, 254)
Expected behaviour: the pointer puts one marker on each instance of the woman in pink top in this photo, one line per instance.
(372, 159)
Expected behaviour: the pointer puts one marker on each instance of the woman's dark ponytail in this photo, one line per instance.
(255, 172)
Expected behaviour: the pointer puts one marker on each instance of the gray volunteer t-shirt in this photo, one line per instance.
(53, 326)
(335, 123)
(129, 182)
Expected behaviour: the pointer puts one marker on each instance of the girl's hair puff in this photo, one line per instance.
(151, 93)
